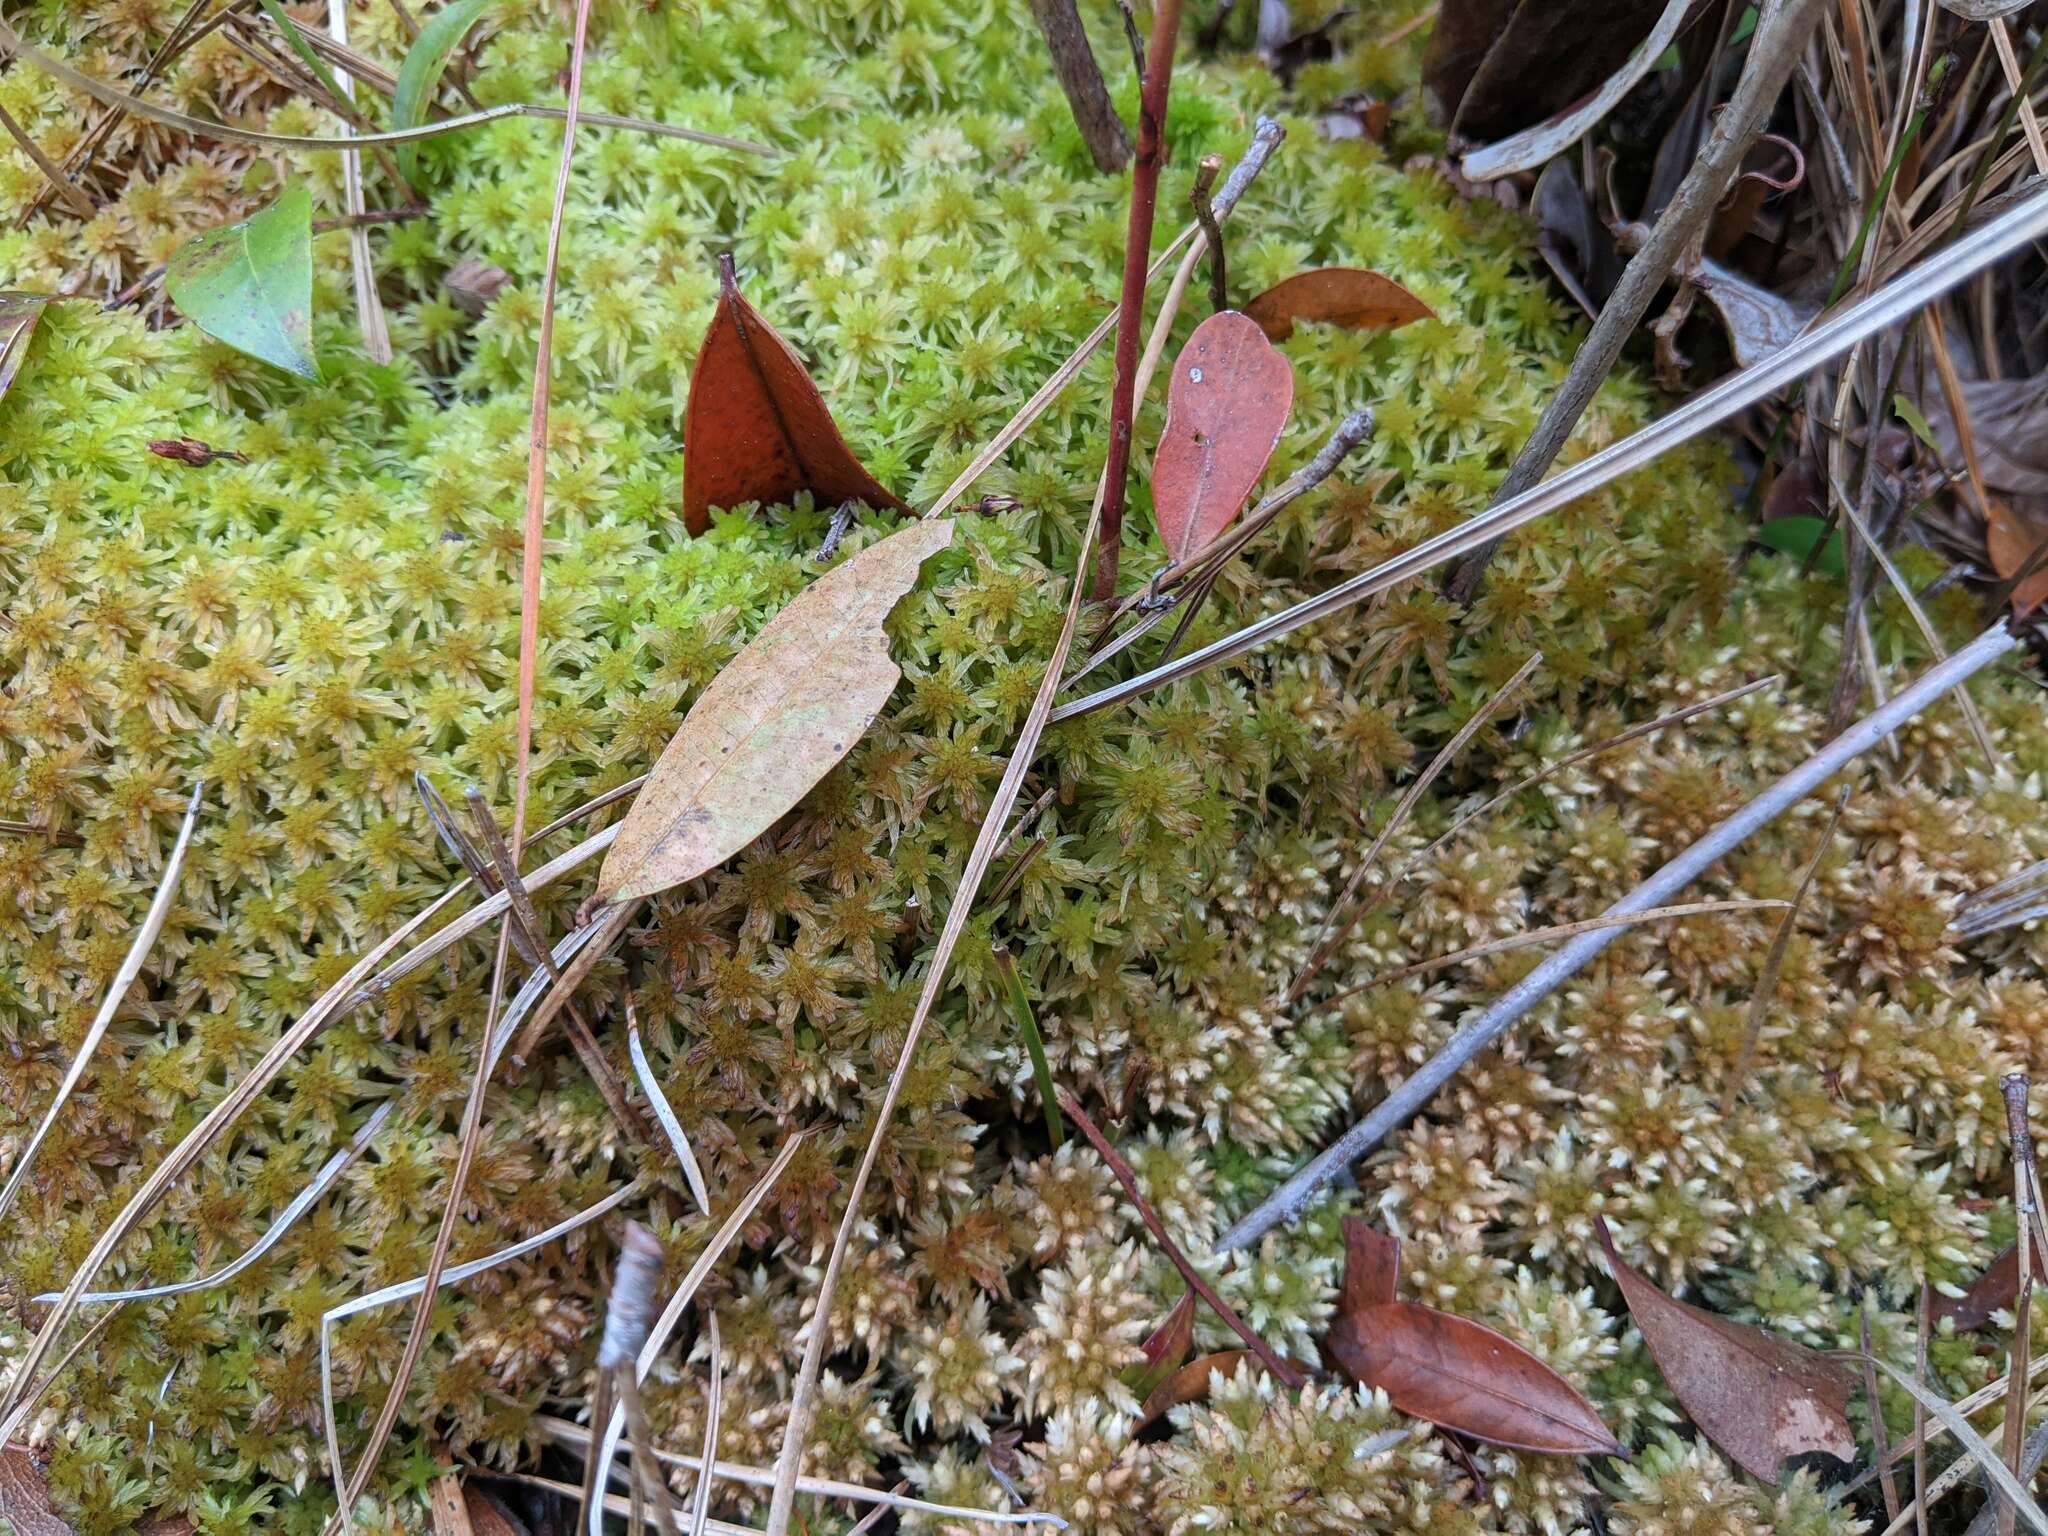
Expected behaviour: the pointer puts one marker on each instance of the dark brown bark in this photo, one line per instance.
(1080, 77)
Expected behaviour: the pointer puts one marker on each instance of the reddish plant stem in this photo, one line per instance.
(1137, 249)
(1268, 1357)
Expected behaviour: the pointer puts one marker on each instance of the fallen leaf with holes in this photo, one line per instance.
(1346, 296)
(755, 427)
(772, 723)
(1758, 1397)
(2011, 542)
(1190, 1384)
(1457, 1374)
(1226, 407)
(25, 1496)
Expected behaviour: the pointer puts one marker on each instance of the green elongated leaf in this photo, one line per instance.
(1027, 1025)
(1797, 536)
(19, 313)
(1909, 413)
(772, 724)
(282, 20)
(251, 284)
(419, 76)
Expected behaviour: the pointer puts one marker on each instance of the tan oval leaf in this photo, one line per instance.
(1758, 1397)
(2011, 540)
(1347, 296)
(772, 724)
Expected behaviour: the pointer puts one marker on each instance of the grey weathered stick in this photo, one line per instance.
(1773, 55)
(1291, 1198)
(1073, 61)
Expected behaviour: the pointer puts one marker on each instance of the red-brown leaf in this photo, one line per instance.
(1993, 1291)
(1462, 1375)
(1225, 410)
(1346, 296)
(1165, 1348)
(2011, 540)
(1190, 1384)
(25, 1496)
(1372, 1268)
(756, 428)
(1758, 1397)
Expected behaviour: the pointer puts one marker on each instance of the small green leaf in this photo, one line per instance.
(251, 284)
(1909, 413)
(1027, 1026)
(420, 75)
(1798, 536)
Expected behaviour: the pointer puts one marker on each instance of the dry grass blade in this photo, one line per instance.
(1992, 757)
(610, 1504)
(1552, 936)
(1334, 933)
(1573, 759)
(665, 1114)
(107, 95)
(577, 1437)
(1877, 1433)
(1774, 959)
(117, 992)
(52, 172)
(1268, 1357)
(2018, 898)
(193, 1147)
(700, 1497)
(454, 1275)
(369, 306)
(789, 1463)
(1974, 1445)
(685, 1293)
(303, 1201)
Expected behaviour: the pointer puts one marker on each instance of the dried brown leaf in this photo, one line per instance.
(1495, 66)
(1347, 296)
(1226, 407)
(1993, 1291)
(1189, 1384)
(25, 1496)
(2012, 541)
(773, 723)
(1758, 1397)
(756, 428)
(1165, 1349)
(1448, 1369)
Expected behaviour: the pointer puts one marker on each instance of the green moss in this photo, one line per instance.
(309, 630)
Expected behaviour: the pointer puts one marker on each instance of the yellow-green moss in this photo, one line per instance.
(307, 632)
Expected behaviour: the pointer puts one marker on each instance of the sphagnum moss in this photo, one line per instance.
(309, 630)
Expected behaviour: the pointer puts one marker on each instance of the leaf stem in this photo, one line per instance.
(1137, 246)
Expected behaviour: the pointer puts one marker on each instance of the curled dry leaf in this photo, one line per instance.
(1165, 1349)
(1993, 1291)
(2012, 542)
(19, 313)
(772, 724)
(756, 428)
(1190, 1384)
(1530, 148)
(1758, 1397)
(1347, 296)
(1493, 66)
(1455, 1373)
(1225, 409)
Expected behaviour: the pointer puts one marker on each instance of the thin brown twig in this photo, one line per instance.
(1268, 1356)
(2014, 1089)
(1080, 77)
(1886, 1484)
(1130, 306)
(1205, 178)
